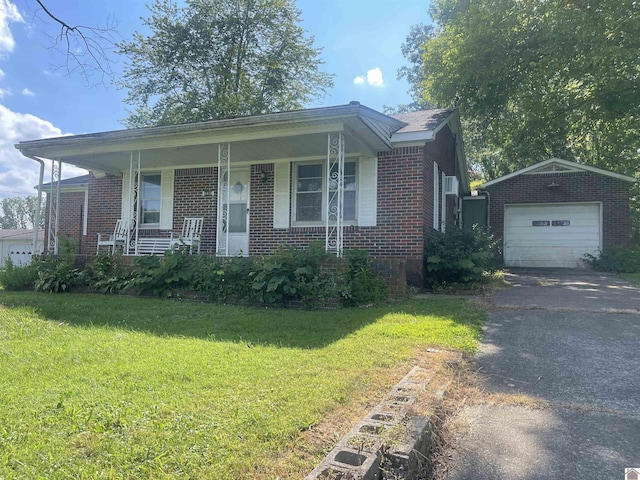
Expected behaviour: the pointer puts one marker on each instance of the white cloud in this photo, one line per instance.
(27, 92)
(1, 73)
(373, 79)
(19, 174)
(8, 13)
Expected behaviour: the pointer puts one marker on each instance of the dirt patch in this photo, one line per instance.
(309, 448)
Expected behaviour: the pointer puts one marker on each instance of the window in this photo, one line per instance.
(150, 198)
(310, 195)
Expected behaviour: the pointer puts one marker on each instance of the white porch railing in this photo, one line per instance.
(134, 192)
(334, 223)
(224, 174)
(54, 207)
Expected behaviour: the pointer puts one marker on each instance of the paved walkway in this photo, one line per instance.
(570, 339)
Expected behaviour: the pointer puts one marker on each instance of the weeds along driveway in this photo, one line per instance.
(561, 351)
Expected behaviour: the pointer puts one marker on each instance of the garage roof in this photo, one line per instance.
(557, 165)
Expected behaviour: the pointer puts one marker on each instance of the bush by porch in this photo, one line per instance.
(312, 276)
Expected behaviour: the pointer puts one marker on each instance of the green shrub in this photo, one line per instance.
(615, 259)
(460, 257)
(316, 289)
(363, 286)
(164, 275)
(292, 274)
(222, 280)
(18, 277)
(107, 274)
(57, 273)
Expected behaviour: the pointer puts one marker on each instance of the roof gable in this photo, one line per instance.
(557, 165)
(423, 124)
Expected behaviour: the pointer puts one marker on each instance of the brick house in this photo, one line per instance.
(552, 213)
(275, 178)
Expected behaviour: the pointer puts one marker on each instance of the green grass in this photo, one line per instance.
(632, 277)
(117, 387)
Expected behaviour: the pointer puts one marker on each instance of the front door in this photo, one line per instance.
(233, 230)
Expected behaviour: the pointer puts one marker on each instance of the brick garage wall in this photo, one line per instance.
(399, 229)
(71, 218)
(573, 187)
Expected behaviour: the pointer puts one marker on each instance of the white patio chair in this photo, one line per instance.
(191, 232)
(117, 238)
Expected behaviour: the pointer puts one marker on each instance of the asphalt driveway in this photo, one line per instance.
(570, 341)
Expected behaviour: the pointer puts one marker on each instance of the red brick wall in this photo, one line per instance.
(441, 150)
(404, 209)
(399, 229)
(573, 187)
(189, 201)
(71, 220)
(105, 200)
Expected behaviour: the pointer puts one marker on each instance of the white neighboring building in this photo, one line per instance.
(18, 245)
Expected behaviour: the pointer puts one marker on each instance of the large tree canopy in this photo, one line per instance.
(535, 79)
(216, 59)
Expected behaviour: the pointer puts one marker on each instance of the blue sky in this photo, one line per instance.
(361, 42)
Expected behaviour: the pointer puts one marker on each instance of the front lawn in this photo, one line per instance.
(96, 386)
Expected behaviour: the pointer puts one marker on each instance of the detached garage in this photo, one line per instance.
(551, 214)
(18, 245)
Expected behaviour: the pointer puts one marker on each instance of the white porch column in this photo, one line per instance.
(224, 173)
(54, 207)
(134, 190)
(334, 225)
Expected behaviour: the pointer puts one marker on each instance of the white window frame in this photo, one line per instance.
(294, 194)
(155, 225)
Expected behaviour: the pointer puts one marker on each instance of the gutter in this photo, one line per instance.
(36, 220)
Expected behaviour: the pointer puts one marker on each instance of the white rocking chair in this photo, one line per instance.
(116, 239)
(191, 232)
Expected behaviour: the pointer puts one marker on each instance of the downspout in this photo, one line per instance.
(36, 220)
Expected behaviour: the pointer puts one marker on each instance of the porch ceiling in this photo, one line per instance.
(298, 147)
(197, 144)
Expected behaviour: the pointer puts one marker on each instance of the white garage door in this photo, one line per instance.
(20, 253)
(551, 235)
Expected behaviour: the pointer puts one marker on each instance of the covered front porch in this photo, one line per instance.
(296, 174)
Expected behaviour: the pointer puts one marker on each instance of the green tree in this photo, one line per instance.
(537, 78)
(215, 59)
(19, 212)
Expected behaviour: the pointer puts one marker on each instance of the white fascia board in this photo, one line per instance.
(88, 146)
(421, 136)
(76, 188)
(559, 161)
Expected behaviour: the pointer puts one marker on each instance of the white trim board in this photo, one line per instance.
(558, 161)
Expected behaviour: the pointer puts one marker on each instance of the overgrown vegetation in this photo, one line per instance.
(98, 386)
(18, 277)
(616, 259)
(312, 276)
(58, 273)
(459, 257)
